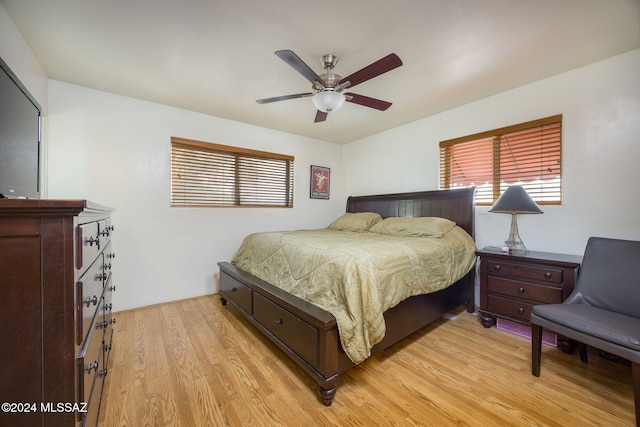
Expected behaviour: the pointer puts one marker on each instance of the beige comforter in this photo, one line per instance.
(356, 276)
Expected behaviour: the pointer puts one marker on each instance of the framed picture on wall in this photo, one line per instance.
(320, 180)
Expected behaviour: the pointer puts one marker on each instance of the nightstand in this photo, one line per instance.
(511, 284)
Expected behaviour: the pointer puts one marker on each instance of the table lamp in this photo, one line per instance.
(514, 201)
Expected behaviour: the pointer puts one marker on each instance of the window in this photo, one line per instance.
(527, 154)
(204, 174)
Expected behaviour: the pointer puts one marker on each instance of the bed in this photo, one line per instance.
(310, 335)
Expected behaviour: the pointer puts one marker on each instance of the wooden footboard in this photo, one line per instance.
(309, 335)
(306, 333)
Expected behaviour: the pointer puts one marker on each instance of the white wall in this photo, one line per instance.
(115, 151)
(16, 53)
(600, 104)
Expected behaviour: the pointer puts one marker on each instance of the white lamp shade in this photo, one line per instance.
(328, 100)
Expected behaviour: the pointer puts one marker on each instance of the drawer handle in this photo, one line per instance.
(103, 373)
(497, 267)
(91, 366)
(112, 321)
(279, 322)
(520, 310)
(91, 241)
(112, 288)
(101, 276)
(108, 347)
(107, 230)
(521, 290)
(234, 289)
(102, 324)
(111, 255)
(108, 307)
(107, 266)
(89, 300)
(547, 275)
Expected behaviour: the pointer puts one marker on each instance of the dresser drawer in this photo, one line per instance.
(530, 291)
(108, 255)
(235, 291)
(108, 345)
(90, 418)
(109, 320)
(89, 291)
(92, 397)
(295, 333)
(90, 358)
(104, 231)
(526, 271)
(89, 244)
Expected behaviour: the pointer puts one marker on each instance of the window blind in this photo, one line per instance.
(528, 154)
(205, 174)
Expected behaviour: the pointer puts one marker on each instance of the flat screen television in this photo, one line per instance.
(19, 138)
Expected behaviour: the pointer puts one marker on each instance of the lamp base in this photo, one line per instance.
(514, 242)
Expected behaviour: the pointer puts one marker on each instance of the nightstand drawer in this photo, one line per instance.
(509, 308)
(529, 291)
(526, 271)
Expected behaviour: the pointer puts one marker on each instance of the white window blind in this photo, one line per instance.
(528, 154)
(204, 174)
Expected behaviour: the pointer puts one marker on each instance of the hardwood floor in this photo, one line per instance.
(196, 363)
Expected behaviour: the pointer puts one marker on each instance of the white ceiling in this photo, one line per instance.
(217, 56)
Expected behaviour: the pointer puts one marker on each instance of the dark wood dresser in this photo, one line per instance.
(55, 314)
(511, 284)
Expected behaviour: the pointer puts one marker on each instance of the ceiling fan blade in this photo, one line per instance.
(367, 102)
(283, 98)
(298, 64)
(381, 66)
(320, 117)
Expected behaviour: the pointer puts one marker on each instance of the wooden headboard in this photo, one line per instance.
(458, 205)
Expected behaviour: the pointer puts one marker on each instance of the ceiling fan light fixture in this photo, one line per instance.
(327, 89)
(328, 101)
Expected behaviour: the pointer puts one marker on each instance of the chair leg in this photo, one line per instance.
(582, 349)
(536, 349)
(635, 374)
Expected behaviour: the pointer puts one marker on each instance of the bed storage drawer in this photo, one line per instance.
(294, 332)
(236, 292)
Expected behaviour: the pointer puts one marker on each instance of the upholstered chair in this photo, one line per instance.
(603, 311)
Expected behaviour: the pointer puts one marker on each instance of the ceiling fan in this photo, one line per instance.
(328, 90)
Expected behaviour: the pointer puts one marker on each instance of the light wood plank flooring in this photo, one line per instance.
(196, 363)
